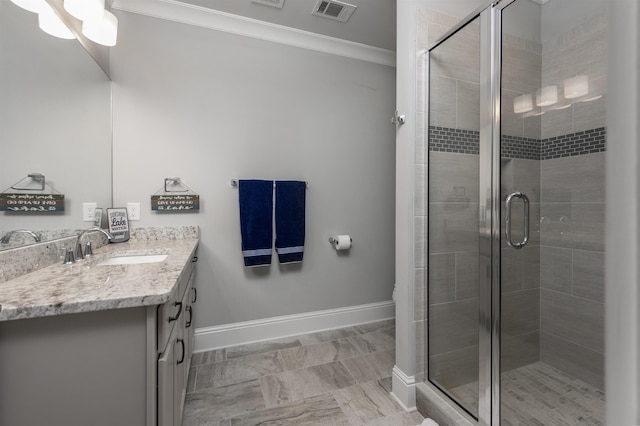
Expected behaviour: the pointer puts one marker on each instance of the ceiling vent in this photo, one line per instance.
(272, 3)
(332, 9)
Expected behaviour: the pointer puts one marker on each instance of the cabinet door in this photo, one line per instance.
(192, 295)
(167, 386)
(188, 334)
(179, 371)
(183, 350)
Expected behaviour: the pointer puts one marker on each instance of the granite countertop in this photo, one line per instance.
(86, 286)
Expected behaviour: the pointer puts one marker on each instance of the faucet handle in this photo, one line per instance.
(68, 258)
(88, 251)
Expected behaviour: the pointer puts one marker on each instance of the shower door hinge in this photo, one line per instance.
(397, 119)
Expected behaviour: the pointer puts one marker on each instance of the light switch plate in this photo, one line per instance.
(133, 211)
(88, 211)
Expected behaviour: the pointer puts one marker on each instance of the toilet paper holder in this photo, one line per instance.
(333, 240)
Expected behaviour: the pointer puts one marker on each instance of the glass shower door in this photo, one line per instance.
(453, 203)
(552, 119)
(516, 155)
(520, 198)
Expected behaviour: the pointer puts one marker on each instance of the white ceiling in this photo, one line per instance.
(373, 23)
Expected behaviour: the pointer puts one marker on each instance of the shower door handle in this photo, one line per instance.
(525, 200)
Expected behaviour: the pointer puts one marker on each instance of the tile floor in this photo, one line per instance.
(336, 377)
(541, 395)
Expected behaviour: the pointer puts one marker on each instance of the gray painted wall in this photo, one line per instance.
(208, 107)
(55, 119)
(622, 294)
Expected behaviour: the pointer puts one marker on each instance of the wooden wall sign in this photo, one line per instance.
(175, 202)
(24, 202)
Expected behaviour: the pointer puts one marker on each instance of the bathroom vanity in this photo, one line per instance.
(104, 341)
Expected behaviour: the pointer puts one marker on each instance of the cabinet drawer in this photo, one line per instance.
(170, 313)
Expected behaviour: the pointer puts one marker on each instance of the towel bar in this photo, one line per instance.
(234, 183)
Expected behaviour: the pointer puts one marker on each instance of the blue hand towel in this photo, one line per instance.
(256, 221)
(290, 212)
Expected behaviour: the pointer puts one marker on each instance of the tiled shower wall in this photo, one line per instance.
(572, 208)
(552, 289)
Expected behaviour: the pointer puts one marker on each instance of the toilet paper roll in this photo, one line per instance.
(342, 242)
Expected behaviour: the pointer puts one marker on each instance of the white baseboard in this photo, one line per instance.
(403, 389)
(242, 333)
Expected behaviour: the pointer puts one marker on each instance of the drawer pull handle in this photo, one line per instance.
(190, 310)
(179, 305)
(195, 295)
(194, 259)
(183, 351)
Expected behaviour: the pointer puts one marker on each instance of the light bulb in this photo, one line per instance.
(51, 24)
(547, 96)
(84, 10)
(575, 87)
(102, 31)
(522, 103)
(35, 6)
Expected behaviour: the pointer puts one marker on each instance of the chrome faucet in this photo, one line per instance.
(88, 251)
(7, 236)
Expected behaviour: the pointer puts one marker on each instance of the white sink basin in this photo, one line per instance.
(134, 259)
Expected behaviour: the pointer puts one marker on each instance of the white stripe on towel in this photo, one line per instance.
(289, 250)
(258, 252)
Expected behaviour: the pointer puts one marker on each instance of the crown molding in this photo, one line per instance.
(176, 11)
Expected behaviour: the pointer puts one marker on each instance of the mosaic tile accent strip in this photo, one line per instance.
(518, 147)
(444, 139)
(579, 143)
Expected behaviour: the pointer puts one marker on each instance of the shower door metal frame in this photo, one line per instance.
(489, 220)
(489, 285)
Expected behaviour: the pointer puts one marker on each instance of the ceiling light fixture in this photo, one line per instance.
(575, 87)
(51, 24)
(85, 10)
(103, 31)
(522, 103)
(547, 96)
(35, 6)
(98, 24)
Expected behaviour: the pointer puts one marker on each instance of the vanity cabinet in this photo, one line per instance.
(175, 346)
(126, 366)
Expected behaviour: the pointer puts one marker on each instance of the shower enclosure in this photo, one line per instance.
(516, 148)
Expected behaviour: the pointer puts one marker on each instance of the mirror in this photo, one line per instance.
(55, 119)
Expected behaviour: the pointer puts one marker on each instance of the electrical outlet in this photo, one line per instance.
(89, 212)
(133, 211)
